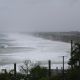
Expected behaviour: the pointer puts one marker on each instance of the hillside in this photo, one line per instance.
(59, 36)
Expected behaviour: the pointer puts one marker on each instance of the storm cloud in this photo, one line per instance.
(39, 15)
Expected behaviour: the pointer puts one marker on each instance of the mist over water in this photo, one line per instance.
(17, 47)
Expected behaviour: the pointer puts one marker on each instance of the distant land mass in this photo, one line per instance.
(59, 36)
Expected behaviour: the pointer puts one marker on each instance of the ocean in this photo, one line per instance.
(18, 47)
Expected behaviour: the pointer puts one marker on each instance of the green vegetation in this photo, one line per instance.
(74, 72)
(38, 73)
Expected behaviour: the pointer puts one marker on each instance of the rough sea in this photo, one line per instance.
(18, 47)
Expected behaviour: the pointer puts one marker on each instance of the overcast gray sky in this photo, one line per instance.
(39, 15)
